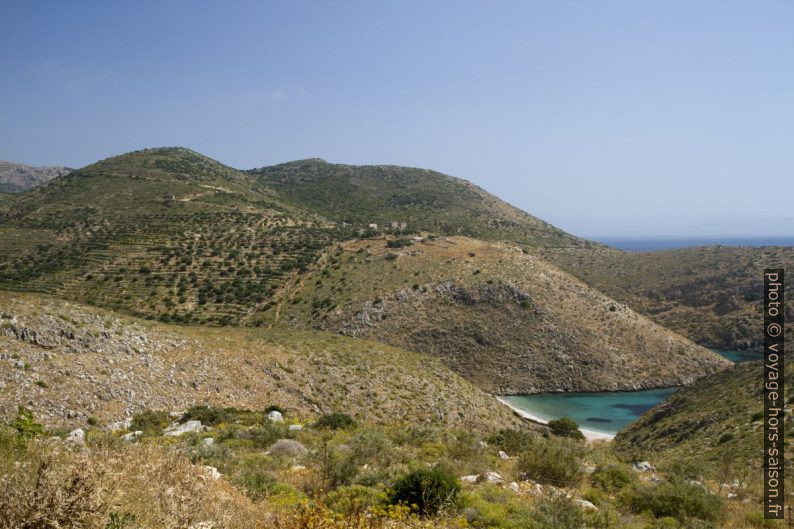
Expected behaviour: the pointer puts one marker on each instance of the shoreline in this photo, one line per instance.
(589, 435)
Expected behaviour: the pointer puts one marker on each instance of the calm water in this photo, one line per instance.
(739, 356)
(606, 412)
(652, 245)
(601, 412)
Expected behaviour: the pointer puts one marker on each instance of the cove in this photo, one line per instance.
(739, 356)
(602, 412)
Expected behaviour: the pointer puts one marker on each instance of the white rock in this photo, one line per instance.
(295, 427)
(470, 479)
(212, 472)
(275, 416)
(503, 455)
(644, 466)
(120, 425)
(177, 429)
(514, 487)
(584, 504)
(208, 441)
(132, 436)
(655, 478)
(76, 436)
(493, 477)
(731, 495)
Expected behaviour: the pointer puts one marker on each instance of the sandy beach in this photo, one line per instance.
(590, 435)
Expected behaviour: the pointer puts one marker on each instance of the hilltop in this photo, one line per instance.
(712, 295)
(19, 177)
(360, 195)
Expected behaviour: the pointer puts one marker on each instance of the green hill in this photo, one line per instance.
(712, 295)
(420, 198)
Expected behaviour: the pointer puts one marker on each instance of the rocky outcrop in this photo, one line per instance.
(18, 177)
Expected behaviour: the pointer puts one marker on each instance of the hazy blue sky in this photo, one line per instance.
(605, 118)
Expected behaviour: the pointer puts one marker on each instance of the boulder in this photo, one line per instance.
(503, 455)
(275, 416)
(514, 487)
(493, 477)
(644, 466)
(120, 425)
(584, 504)
(208, 441)
(177, 429)
(470, 479)
(287, 447)
(76, 437)
(212, 472)
(295, 427)
(132, 436)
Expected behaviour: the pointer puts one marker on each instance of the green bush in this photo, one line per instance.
(25, 425)
(610, 478)
(150, 422)
(426, 490)
(209, 415)
(335, 421)
(355, 498)
(565, 427)
(512, 441)
(398, 243)
(677, 500)
(552, 462)
(558, 512)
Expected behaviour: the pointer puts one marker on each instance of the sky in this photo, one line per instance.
(606, 118)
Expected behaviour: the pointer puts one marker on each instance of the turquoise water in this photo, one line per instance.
(739, 356)
(606, 412)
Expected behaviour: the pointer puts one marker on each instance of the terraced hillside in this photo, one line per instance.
(716, 423)
(160, 233)
(505, 320)
(70, 362)
(712, 295)
(420, 198)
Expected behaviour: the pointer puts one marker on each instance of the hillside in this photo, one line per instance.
(712, 295)
(160, 233)
(715, 423)
(505, 320)
(69, 362)
(420, 198)
(18, 177)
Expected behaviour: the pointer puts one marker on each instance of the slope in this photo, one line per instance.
(69, 362)
(712, 295)
(716, 423)
(505, 320)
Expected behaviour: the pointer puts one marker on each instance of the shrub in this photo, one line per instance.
(512, 441)
(398, 243)
(355, 498)
(25, 425)
(558, 512)
(335, 421)
(287, 447)
(209, 415)
(552, 462)
(426, 490)
(565, 427)
(677, 500)
(610, 478)
(149, 422)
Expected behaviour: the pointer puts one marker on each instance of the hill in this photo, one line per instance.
(160, 233)
(712, 295)
(68, 363)
(420, 198)
(18, 177)
(715, 423)
(507, 321)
